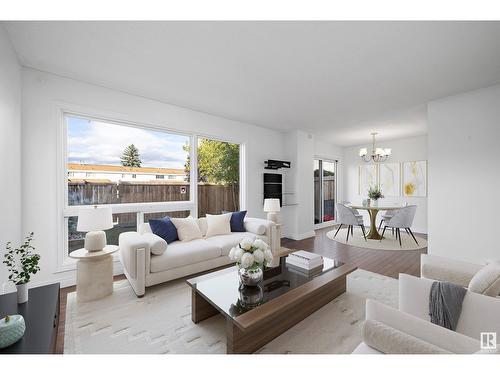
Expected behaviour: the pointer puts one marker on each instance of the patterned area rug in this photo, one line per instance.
(388, 243)
(160, 322)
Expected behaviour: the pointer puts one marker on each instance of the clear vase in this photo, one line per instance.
(250, 277)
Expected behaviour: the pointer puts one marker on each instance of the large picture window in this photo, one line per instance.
(112, 164)
(144, 173)
(218, 176)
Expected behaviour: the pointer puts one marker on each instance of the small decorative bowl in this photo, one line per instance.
(12, 328)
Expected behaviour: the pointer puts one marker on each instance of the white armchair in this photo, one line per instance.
(409, 330)
(446, 269)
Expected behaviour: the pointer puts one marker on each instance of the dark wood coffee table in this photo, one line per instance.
(256, 315)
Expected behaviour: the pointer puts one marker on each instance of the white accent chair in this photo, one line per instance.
(445, 269)
(402, 219)
(408, 330)
(354, 210)
(387, 215)
(144, 266)
(347, 217)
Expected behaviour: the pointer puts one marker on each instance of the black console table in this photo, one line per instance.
(41, 315)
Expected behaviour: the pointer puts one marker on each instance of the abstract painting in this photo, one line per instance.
(389, 177)
(415, 178)
(367, 178)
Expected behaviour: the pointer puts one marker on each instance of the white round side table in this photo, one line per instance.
(94, 273)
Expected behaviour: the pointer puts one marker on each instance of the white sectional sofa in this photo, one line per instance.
(409, 330)
(148, 260)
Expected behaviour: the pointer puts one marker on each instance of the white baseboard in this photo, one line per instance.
(302, 236)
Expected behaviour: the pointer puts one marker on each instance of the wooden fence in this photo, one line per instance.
(212, 199)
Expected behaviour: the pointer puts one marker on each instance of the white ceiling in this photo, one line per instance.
(340, 80)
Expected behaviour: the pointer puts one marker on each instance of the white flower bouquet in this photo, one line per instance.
(251, 255)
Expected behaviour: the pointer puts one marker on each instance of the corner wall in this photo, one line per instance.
(407, 149)
(10, 151)
(464, 175)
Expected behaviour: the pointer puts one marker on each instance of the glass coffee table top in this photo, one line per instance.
(223, 290)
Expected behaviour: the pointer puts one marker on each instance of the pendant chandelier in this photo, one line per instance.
(377, 154)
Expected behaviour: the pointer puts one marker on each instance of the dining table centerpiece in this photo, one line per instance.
(375, 193)
(251, 256)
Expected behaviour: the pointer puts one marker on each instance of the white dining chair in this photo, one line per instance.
(403, 218)
(354, 210)
(347, 217)
(387, 215)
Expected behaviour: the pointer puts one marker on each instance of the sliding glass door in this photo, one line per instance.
(325, 191)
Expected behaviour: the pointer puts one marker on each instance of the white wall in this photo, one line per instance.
(464, 175)
(298, 218)
(402, 150)
(43, 93)
(10, 149)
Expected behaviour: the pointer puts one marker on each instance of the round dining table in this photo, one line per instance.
(373, 210)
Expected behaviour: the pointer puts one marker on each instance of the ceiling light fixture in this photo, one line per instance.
(377, 155)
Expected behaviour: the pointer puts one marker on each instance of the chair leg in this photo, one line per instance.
(380, 225)
(348, 231)
(399, 234)
(393, 232)
(340, 226)
(352, 230)
(363, 230)
(413, 236)
(385, 227)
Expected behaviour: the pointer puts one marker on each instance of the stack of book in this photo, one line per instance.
(305, 260)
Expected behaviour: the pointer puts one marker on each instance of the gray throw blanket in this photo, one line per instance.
(445, 303)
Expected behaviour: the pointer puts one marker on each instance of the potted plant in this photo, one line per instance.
(375, 193)
(21, 263)
(251, 256)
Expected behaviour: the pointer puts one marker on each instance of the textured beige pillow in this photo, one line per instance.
(389, 340)
(187, 229)
(487, 280)
(218, 224)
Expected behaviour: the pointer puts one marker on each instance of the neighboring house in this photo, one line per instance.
(116, 173)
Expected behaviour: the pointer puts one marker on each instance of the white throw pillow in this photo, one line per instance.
(487, 280)
(218, 224)
(202, 223)
(187, 229)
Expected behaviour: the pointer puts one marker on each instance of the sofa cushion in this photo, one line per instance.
(486, 280)
(181, 253)
(164, 228)
(202, 223)
(237, 221)
(227, 241)
(218, 224)
(187, 228)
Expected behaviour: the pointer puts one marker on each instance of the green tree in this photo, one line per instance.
(131, 157)
(218, 163)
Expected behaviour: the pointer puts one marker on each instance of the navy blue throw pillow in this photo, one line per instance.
(164, 228)
(237, 219)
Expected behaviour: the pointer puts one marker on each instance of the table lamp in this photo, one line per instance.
(272, 207)
(94, 220)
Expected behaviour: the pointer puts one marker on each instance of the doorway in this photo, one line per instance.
(325, 191)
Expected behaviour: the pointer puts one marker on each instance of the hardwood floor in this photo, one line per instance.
(389, 263)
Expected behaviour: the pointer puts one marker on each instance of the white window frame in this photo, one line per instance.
(64, 211)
